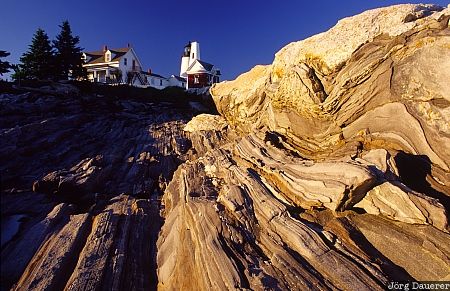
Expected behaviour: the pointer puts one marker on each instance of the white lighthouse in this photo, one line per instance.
(190, 54)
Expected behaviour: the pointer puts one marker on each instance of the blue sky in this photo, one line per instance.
(235, 35)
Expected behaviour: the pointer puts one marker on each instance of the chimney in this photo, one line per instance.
(105, 48)
(149, 71)
(128, 45)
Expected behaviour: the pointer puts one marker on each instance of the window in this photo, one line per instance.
(196, 79)
(107, 57)
(193, 55)
(134, 64)
(125, 61)
(160, 82)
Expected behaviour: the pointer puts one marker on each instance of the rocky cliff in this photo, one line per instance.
(333, 169)
(327, 170)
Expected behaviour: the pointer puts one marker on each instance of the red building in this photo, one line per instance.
(201, 74)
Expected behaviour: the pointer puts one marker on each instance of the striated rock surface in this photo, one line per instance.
(333, 152)
(83, 176)
(375, 79)
(400, 203)
(326, 170)
(206, 122)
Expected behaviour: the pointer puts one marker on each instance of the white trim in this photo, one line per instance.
(100, 64)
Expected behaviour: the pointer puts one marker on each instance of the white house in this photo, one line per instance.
(114, 66)
(155, 80)
(177, 81)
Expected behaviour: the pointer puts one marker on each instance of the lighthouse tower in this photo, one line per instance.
(190, 54)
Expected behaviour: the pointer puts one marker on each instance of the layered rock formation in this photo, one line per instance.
(333, 172)
(323, 93)
(327, 170)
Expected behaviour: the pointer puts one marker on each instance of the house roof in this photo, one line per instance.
(100, 52)
(181, 79)
(205, 65)
(97, 56)
(153, 75)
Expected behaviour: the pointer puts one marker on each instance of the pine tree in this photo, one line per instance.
(67, 54)
(18, 74)
(37, 62)
(4, 66)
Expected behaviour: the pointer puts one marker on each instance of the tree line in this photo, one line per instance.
(59, 59)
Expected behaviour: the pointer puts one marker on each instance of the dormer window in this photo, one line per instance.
(108, 56)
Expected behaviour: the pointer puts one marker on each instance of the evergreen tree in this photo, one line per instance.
(4, 66)
(37, 62)
(18, 74)
(68, 55)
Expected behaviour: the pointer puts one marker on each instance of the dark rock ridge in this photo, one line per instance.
(327, 170)
(86, 173)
